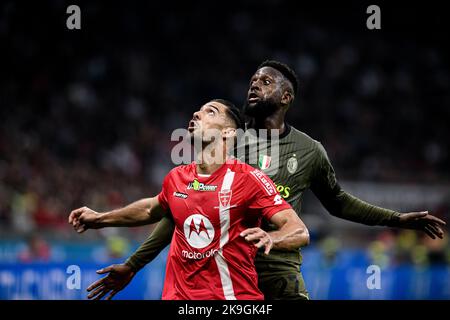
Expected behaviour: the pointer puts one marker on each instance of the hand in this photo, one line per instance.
(422, 221)
(83, 219)
(119, 275)
(259, 237)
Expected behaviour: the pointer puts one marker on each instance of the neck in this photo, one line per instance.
(273, 121)
(211, 158)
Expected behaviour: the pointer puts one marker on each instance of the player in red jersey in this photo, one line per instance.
(217, 204)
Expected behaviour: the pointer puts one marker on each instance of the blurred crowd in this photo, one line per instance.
(86, 116)
(387, 249)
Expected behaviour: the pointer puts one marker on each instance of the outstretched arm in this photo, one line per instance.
(141, 212)
(343, 205)
(424, 221)
(346, 206)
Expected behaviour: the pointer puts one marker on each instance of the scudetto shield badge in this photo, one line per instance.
(264, 161)
(225, 198)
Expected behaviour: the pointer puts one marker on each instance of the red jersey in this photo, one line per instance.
(208, 259)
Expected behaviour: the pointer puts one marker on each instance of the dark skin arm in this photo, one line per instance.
(119, 275)
(117, 278)
(348, 207)
(423, 221)
(345, 206)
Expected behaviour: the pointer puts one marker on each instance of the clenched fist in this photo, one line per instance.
(84, 218)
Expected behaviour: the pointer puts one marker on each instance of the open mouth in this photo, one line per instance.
(192, 126)
(253, 97)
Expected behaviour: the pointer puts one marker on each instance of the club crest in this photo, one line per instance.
(225, 198)
(292, 164)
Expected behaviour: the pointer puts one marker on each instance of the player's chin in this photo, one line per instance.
(195, 135)
(191, 137)
(251, 104)
(251, 108)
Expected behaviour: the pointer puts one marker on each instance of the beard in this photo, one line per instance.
(261, 109)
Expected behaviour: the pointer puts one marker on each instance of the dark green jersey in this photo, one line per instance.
(290, 160)
(296, 162)
(301, 163)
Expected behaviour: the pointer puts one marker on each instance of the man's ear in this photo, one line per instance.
(229, 132)
(287, 98)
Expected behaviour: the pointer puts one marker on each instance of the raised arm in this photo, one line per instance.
(138, 213)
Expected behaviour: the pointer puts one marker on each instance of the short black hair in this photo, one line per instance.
(285, 71)
(233, 113)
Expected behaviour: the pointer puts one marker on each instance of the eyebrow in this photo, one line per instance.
(211, 106)
(263, 76)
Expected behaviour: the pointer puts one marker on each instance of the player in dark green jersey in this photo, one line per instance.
(302, 163)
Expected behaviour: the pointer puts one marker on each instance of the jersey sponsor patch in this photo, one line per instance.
(180, 195)
(277, 200)
(198, 230)
(264, 181)
(284, 191)
(199, 186)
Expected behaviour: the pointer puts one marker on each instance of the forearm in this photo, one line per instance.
(341, 204)
(153, 245)
(134, 214)
(348, 207)
(289, 238)
(291, 233)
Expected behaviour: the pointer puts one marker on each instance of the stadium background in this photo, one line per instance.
(85, 119)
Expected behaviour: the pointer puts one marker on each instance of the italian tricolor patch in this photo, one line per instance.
(264, 162)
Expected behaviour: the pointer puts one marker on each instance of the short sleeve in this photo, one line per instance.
(163, 195)
(264, 196)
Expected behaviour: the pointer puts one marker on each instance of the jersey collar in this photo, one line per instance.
(287, 130)
(216, 173)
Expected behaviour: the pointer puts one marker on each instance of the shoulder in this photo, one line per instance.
(239, 166)
(305, 141)
(257, 178)
(180, 170)
(243, 169)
